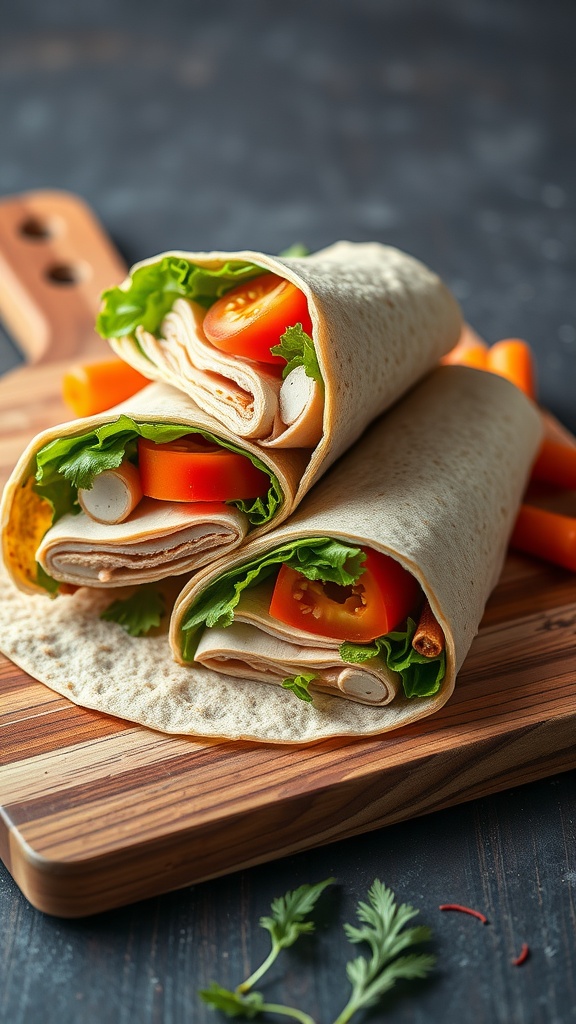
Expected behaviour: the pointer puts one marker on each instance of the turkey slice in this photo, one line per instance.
(158, 539)
(241, 395)
(380, 321)
(244, 651)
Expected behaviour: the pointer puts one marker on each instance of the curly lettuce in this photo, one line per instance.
(421, 676)
(297, 348)
(153, 289)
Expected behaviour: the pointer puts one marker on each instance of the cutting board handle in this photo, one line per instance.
(55, 261)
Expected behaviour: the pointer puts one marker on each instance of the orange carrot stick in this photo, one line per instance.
(546, 535)
(556, 464)
(89, 388)
(469, 350)
(512, 358)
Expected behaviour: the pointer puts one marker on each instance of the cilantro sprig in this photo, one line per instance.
(383, 927)
(286, 923)
(300, 686)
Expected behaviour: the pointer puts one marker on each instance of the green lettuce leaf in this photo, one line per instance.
(69, 463)
(298, 349)
(153, 289)
(46, 581)
(296, 250)
(421, 676)
(300, 686)
(320, 558)
(139, 613)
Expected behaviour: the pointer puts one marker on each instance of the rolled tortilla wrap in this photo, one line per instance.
(45, 546)
(435, 484)
(380, 321)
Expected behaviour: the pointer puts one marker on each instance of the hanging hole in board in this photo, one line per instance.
(36, 229)
(65, 274)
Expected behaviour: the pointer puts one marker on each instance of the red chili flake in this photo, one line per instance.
(464, 910)
(522, 956)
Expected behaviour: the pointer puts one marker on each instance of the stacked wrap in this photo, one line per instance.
(380, 320)
(436, 484)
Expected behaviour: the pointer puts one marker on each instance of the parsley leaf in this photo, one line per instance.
(298, 349)
(233, 1004)
(299, 686)
(139, 613)
(286, 923)
(383, 928)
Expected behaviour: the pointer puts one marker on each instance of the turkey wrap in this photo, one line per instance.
(435, 486)
(77, 511)
(374, 590)
(351, 328)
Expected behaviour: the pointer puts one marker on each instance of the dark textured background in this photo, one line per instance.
(446, 128)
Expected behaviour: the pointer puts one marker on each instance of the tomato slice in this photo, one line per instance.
(195, 469)
(250, 319)
(383, 597)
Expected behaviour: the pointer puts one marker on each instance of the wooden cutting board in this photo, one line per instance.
(96, 812)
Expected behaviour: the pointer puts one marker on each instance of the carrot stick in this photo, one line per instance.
(512, 359)
(89, 388)
(547, 535)
(469, 350)
(556, 464)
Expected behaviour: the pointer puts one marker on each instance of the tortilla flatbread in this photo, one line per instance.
(436, 484)
(381, 320)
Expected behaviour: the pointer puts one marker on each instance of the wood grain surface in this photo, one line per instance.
(96, 813)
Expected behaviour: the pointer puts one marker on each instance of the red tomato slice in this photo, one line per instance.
(194, 469)
(250, 319)
(383, 597)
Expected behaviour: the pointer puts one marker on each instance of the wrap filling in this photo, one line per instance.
(318, 614)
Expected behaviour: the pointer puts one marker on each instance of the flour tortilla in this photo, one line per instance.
(381, 320)
(436, 484)
(159, 538)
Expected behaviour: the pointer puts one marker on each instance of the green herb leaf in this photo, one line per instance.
(77, 460)
(46, 581)
(233, 1004)
(321, 558)
(285, 924)
(298, 349)
(295, 251)
(421, 676)
(300, 686)
(383, 928)
(286, 921)
(153, 289)
(139, 613)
